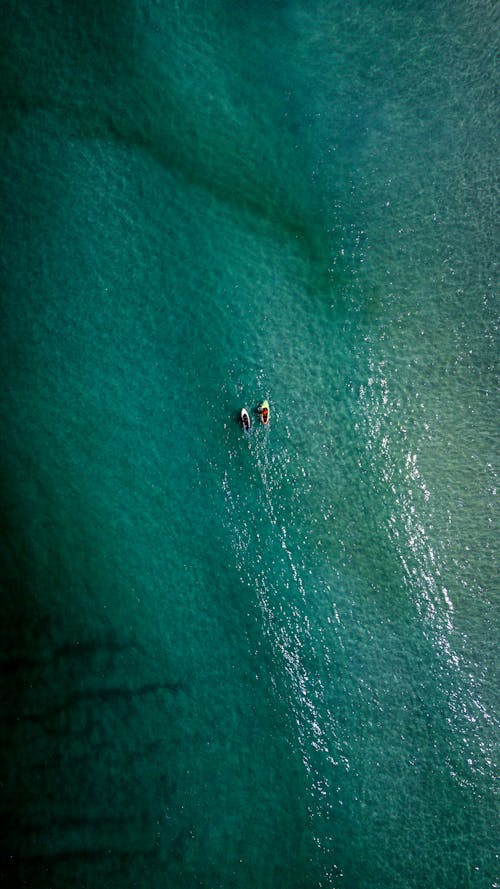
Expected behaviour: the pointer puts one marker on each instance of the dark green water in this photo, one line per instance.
(266, 660)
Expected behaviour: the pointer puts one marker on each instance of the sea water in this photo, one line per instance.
(262, 660)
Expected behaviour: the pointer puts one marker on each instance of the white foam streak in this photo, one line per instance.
(287, 627)
(406, 529)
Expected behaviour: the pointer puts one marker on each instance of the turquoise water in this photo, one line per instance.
(264, 660)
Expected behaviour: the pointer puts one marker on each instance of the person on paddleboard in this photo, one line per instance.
(245, 419)
(263, 411)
